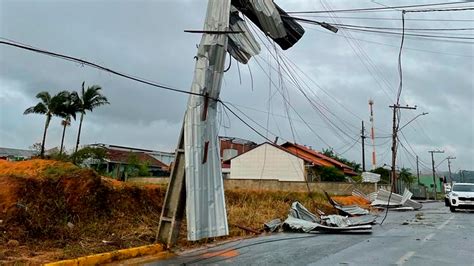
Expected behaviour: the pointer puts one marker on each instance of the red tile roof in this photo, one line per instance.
(317, 157)
(119, 156)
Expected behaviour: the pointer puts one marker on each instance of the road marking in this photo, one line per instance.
(405, 258)
(428, 237)
(445, 223)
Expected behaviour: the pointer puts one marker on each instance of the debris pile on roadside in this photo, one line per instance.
(353, 217)
(350, 210)
(301, 219)
(396, 201)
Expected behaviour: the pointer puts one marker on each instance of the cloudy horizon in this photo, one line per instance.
(339, 71)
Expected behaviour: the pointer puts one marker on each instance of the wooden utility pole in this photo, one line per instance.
(395, 126)
(433, 168)
(363, 137)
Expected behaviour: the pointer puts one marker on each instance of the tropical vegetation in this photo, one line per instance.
(66, 105)
(89, 99)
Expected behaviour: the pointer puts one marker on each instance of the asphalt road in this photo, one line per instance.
(431, 236)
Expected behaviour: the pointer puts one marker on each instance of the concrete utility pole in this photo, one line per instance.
(363, 137)
(433, 166)
(417, 170)
(449, 166)
(372, 133)
(199, 118)
(395, 129)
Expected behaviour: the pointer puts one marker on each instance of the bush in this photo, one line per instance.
(89, 155)
(330, 174)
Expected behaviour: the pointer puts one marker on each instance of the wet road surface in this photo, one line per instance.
(430, 236)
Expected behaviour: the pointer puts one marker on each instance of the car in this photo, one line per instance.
(461, 196)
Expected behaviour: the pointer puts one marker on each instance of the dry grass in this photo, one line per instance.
(57, 211)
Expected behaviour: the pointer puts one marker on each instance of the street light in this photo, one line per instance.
(412, 120)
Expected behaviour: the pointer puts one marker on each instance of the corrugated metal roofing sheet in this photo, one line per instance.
(205, 205)
(241, 46)
(300, 219)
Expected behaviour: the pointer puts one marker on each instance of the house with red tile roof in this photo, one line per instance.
(119, 160)
(318, 158)
(288, 162)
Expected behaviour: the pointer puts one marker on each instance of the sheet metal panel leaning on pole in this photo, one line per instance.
(205, 204)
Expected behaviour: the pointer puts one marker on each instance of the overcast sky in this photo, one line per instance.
(338, 72)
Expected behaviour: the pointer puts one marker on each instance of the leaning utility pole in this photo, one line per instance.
(196, 184)
(433, 166)
(395, 130)
(363, 137)
(449, 166)
(199, 122)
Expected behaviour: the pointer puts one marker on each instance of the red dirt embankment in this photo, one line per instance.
(50, 205)
(52, 210)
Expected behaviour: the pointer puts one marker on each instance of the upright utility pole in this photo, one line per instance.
(395, 126)
(449, 166)
(417, 170)
(372, 132)
(434, 173)
(363, 137)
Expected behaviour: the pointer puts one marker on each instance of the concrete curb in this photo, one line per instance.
(108, 257)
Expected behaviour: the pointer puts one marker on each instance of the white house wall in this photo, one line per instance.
(267, 162)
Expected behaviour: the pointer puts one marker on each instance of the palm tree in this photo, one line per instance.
(406, 176)
(69, 109)
(88, 101)
(49, 106)
(65, 123)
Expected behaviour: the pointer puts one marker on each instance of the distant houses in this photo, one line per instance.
(16, 154)
(241, 159)
(119, 161)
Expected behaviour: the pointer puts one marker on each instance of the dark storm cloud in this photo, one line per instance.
(146, 38)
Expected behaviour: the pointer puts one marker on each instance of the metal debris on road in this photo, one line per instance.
(396, 200)
(272, 225)
(350, 210)
(360, 194)
(301, 220)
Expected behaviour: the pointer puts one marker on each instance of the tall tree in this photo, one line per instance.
(69, 109)
(65, 123)
(88, 101)
(330, 153)
(48, 106)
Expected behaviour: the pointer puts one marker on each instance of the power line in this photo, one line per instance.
(370, 9)
(154, 84)
(379, 30)
(292, 77)
(391, 19)
(97, 66)
(396, 46)
(441, 10)
(412, 34)
(406, 29)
